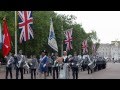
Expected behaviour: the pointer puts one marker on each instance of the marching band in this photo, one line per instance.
(55, 66)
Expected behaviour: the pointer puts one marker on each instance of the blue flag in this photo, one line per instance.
(51, 40)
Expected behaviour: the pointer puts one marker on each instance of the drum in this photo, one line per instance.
(91, 65)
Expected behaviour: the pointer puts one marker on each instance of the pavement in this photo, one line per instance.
(112, 71)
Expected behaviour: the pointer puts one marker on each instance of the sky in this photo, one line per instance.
(105, 23)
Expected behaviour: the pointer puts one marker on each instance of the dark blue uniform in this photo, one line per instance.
(43, 63)
(74, 66)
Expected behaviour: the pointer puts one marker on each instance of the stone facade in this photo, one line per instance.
(110, 50)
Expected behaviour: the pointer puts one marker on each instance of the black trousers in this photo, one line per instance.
(33, 72)
(84, 67)
(95, 69)
(17, 72)
(49, 70)
(24, 70)
(99, 67)
(55, 70)
(8, 70)
(75, 72)
(89, 70)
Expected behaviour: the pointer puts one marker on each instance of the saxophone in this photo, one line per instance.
(8, 63)
(19, 62)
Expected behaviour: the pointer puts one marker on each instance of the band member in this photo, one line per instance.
(10, 61)
(29, 59)
(65, 57)
(88, 65)
(75, 61)
(64, 72)
(20, 64)
(24, 69)
(85, 63)
(43, 63)
(49, 65)
(55, 66)
(33, 66)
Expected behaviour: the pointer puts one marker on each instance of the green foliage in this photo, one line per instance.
(41, 26)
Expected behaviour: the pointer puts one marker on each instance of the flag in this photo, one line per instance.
(94, 49)
(1, 37)
(6, 48)
(68, 34)
(51, 40)
(84, 46)
(25, 20)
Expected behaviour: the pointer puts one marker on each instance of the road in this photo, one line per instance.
(111, 72)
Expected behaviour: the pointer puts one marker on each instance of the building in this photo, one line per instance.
(110, 50)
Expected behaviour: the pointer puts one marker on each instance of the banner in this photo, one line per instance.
(51, 40)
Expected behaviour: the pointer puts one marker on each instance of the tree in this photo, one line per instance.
(41, 26)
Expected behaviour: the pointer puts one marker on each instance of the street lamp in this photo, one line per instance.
(116, 44)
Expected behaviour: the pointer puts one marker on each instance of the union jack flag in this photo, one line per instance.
(25, 25)
(68, 40)
(84, 46)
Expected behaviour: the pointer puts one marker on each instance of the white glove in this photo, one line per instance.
(30, 63)
(57, 65)
(44, 65)
(72, 63)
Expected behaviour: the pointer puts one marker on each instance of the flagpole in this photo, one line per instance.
(62, 37)
(15, 32)
(62, 41)
(24, 48)
(1, 39)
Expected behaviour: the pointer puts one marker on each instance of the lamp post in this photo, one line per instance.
(116, 44)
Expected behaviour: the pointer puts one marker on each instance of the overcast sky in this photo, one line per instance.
(105, 23)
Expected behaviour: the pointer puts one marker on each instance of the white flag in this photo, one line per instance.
(51, 40)
(0, 37)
